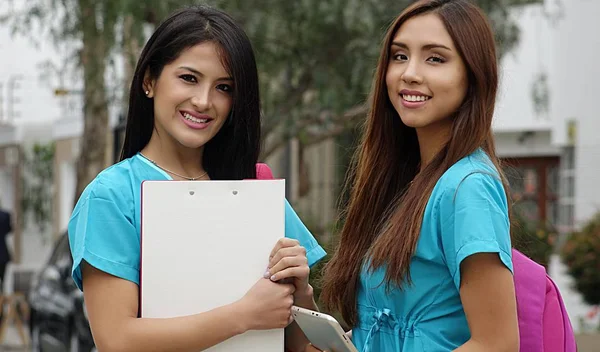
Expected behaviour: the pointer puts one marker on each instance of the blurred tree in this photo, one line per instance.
(94, 32)
(316, 57)
(38, 177)
(534, 239)
(580, 254)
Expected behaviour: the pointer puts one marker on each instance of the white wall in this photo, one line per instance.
(576, 71)
(21, 58)
(68, 178)
(566, 47)
(525, 144)
(576, 94)
(518, 71)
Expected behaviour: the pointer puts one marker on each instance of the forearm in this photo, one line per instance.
(294, 337)
(190, 333)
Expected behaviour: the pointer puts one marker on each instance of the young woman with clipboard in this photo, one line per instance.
(194, 114)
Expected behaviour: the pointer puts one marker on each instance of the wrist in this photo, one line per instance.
(305, 297)
(241, 317)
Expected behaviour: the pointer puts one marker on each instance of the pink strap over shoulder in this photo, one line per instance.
(263, 172)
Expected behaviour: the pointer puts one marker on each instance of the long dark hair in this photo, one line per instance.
(388, 194)
(232, 154)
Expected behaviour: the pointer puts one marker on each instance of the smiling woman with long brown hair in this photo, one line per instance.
(424, 259)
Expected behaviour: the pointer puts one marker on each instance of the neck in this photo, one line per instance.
(174, 157)
(431, 140)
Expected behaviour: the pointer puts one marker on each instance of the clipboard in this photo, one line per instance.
(204, 244)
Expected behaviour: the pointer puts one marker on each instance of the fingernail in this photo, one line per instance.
(267, 274)
(273, 278)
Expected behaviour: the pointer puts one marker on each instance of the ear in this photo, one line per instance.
(148, 85)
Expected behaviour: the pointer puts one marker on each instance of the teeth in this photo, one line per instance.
(414, 97)
(193, 119)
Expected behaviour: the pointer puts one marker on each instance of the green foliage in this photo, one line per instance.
(316, 57)
(535, 240)
(580, 254)
(38, 179)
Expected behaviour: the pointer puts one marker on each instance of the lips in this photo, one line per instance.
(194, 120)
(414, 95)
(413, 99)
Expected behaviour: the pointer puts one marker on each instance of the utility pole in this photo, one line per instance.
(1, 103)
(12, 86)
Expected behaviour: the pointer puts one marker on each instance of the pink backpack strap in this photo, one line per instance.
(530, 288)
(263, 172)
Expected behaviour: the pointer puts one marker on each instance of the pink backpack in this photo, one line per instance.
(544, 325)
(263, 172)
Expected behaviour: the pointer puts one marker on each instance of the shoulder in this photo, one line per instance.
(112, 184)
(470, 173)
(472, 178)
(473, 167)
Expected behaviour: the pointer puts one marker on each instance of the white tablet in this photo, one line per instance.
(322, 330)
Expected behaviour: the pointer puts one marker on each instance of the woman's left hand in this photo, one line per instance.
(288, 261)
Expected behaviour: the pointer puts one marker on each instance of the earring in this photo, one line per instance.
(147, 92)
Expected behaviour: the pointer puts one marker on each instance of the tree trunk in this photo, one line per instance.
(93, 151)
(131, 52)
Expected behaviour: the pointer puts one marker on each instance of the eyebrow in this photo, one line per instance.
(424, 47)
(200, 73)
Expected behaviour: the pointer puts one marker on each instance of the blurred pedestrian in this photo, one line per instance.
(5, 229)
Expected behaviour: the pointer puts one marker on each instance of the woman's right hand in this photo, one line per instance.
(267, 305)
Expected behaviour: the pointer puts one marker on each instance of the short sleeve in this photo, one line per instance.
(475, 220)
(102, 232)
(294, 228)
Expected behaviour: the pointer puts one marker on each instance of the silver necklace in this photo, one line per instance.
(174, 173)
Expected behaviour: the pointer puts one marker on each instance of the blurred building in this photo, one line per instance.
(545, 123)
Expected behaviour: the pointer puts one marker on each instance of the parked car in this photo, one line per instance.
(58, 320)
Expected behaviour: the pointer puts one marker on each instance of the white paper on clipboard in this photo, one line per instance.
(204, 244)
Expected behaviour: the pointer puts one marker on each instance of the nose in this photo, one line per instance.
(411, 74)
(201, 98)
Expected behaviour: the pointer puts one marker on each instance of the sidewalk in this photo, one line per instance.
(12, 342)
(588, 342)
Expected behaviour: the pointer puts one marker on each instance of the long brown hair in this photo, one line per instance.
(388, 194)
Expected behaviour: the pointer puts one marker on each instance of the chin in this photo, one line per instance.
(193, 139)
(195, 144)
(413, 123)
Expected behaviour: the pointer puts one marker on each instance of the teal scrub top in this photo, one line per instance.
(104, 228)
(467, 213)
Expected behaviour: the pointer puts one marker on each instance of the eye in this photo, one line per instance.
(225, 88)
(437, 59)
(189, 78)
(400, 57)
